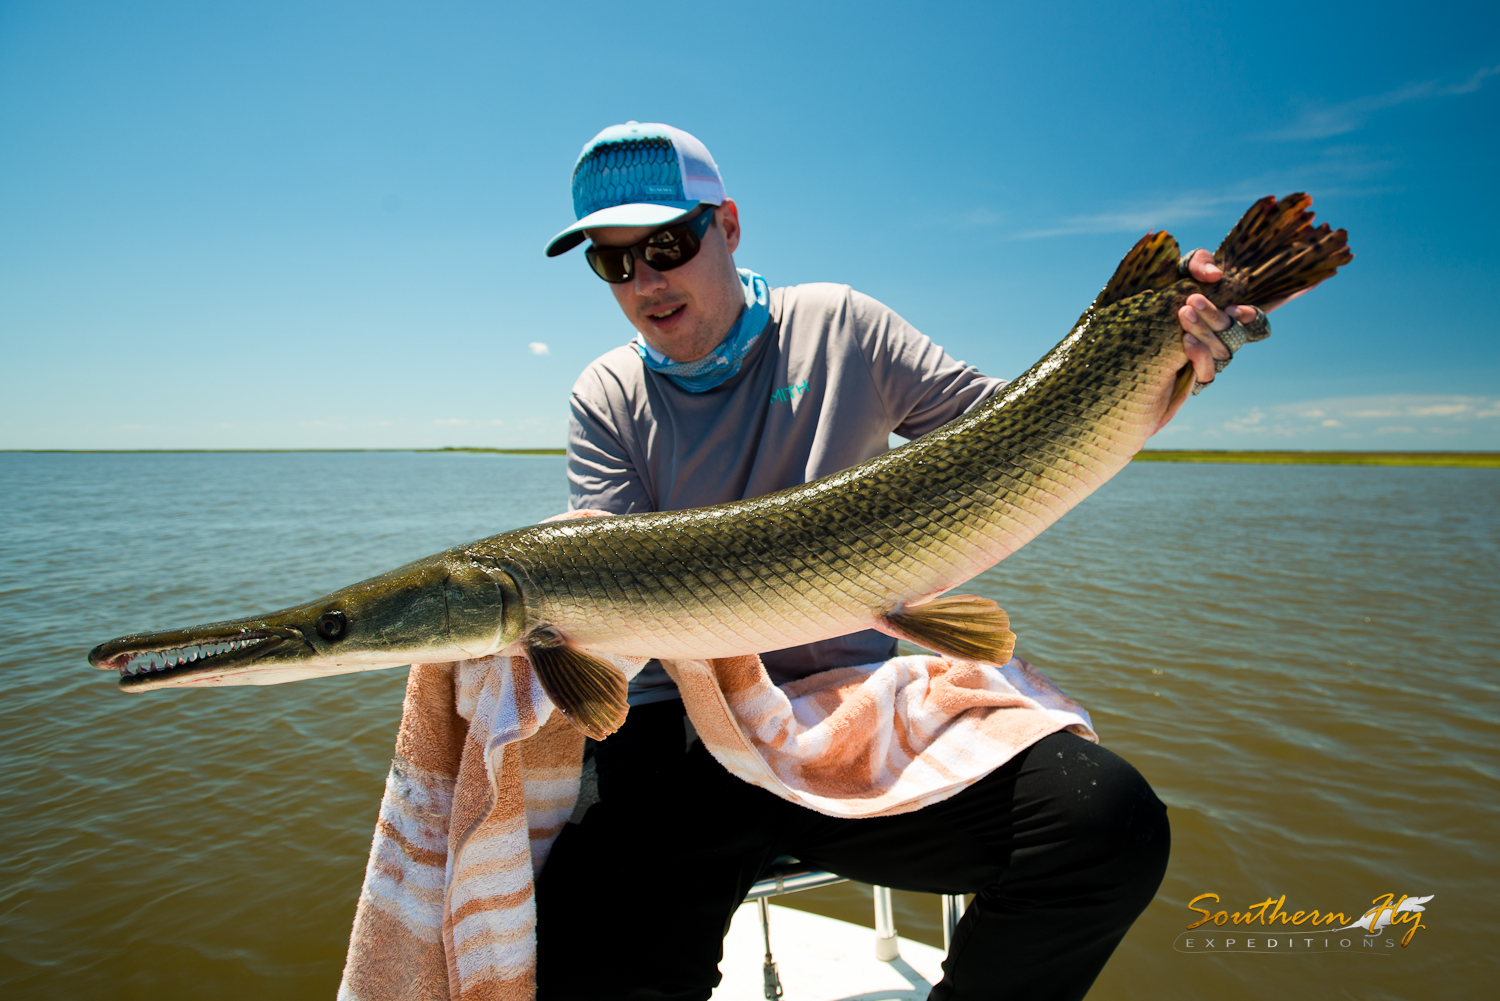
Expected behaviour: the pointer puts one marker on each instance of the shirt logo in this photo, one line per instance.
(787, 394)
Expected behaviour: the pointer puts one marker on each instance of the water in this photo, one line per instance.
(1300, 659)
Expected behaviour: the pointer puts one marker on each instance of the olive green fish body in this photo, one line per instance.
(834, 556)
(876, 545)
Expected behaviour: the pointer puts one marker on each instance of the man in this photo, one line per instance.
(733, 389)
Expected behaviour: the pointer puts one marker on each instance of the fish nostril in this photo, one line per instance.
(331, 624)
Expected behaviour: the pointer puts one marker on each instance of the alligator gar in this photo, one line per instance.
(877, 545)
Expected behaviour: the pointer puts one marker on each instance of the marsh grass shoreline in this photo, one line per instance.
(1470, 460)
(1295, 458)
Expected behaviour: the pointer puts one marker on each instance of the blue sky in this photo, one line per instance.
(320, 224)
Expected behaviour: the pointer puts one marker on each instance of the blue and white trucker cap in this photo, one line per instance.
(638, 175)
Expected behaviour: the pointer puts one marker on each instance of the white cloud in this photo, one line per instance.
(1366, 417)
(1250, 423)
(1447, 409)
(1355, 421)
(450, 420)
(1320, 122)
(538, 348)
(1337, 171)
(1146, 216)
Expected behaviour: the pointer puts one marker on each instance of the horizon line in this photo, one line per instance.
(1433, 457)
(211, 451)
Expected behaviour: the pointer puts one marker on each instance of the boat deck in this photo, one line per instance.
(821, 959)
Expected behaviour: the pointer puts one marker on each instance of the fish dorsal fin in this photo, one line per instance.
(590, 692)
(1151, 264)
(959, 625)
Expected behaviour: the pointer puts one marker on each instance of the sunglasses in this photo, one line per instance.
(664, 250)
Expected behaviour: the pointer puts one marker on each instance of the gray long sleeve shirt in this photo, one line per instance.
(822, 389)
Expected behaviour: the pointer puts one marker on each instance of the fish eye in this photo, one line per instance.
(331, 624)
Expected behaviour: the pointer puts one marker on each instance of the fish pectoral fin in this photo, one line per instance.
(958, 625)
(588, 691)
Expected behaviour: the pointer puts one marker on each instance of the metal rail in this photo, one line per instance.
(887, 945)
(788, 875)
(953, 909)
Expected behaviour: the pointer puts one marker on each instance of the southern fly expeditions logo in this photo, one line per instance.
(1267, 927)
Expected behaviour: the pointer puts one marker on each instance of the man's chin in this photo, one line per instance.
(680, 344)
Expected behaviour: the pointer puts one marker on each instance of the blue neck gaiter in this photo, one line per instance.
(724, 361)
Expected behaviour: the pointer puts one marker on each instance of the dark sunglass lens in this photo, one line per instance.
(662, 254)
(610, 263)
(670, 248)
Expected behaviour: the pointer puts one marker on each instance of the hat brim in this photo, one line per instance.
(632, 214)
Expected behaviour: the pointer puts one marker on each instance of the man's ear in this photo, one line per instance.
(729, 222)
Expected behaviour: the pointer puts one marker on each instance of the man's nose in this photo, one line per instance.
(648, 280)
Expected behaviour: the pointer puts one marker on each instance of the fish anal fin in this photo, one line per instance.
(590, 692)
(958, 625)
(1151, 264)
(1182, 388)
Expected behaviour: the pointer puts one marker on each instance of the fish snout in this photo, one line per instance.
(196, 655)
(438, 610)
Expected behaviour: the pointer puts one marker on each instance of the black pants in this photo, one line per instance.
(1063, 847)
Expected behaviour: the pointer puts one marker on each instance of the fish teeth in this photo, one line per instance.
(152, 661)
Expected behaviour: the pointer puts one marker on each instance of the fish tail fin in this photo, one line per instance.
(1151, 264)
(1275, 251)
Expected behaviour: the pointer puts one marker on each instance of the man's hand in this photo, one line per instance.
(1201, 320)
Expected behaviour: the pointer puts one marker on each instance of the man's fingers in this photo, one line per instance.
(1201, 321)
(1202, 267)
(1200, 356)
(1210, 317)
(1204, 320)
